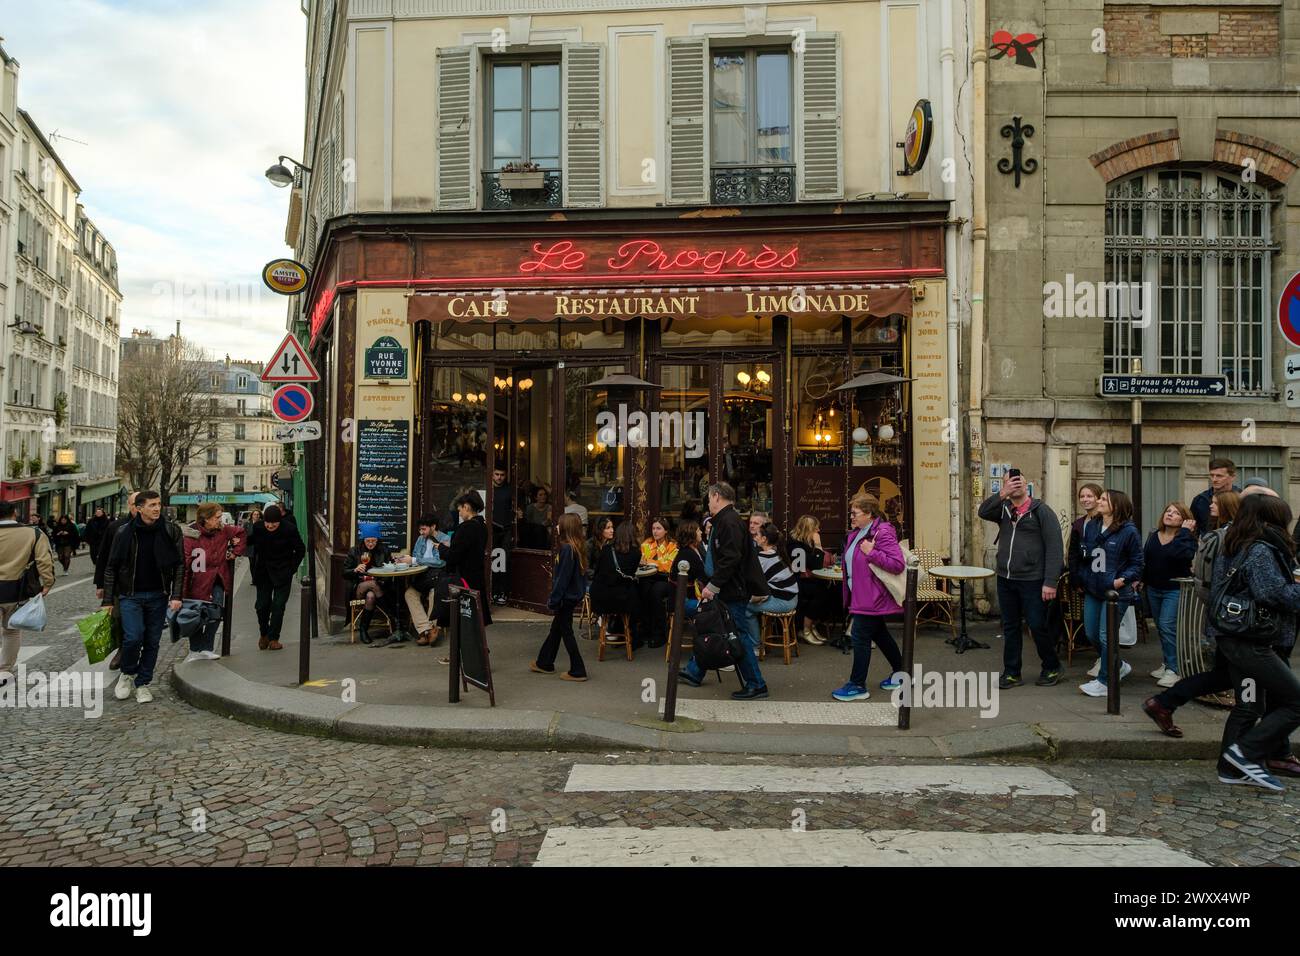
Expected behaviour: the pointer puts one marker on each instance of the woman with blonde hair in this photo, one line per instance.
(1166, 556)
(805, 558)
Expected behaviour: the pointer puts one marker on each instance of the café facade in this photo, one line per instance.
(452, 345)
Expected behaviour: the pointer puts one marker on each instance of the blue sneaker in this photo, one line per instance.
(891, 683)
(851, 691)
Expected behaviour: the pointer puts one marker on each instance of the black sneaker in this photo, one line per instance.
(751, 693)
(687, 679)
(1048, 679)
(1006, 682)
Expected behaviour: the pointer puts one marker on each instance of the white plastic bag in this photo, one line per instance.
(1128, 627)
(31, 616)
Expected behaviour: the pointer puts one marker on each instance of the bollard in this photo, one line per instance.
(304, 632)
(1112, 652)
(228, 611)
(675, 641)
(909, 642)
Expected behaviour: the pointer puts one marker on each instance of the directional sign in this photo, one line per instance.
(291, 403)
(1292, 394)
(303, 431)
(1162, 386)
(1292, 366)
(1288, 311)
(290, 363)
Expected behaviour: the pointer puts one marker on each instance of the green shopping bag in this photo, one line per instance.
(97, 634)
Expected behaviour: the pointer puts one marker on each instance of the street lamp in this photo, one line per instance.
(280, 175)
(24, 327)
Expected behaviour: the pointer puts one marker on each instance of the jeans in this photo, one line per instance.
(1213, 681)
(1023, 601)
(271, 600)
(1094, 625)
(1274, 682)
(562, 630)
(143, 617)
(748, 665)
(867, 628)
(206, 639)
(769, 604)
(1164, 608)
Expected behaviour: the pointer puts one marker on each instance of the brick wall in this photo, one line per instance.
(1138, 30)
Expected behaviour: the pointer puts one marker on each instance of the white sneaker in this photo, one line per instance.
(210, 655)
(193, 656)
(1125, 668)
(1094, 688)
(143, 695)
(729, 667)
(1169, 680)
(1160, 672)
(124, 686)
(1095, 669)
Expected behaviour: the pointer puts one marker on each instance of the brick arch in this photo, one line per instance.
(1274, 164)
(1160, 148)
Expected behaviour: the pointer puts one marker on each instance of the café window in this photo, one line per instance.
(716, 331)
(523, 121)
(752, 132)
(819, 415)
(593, 460)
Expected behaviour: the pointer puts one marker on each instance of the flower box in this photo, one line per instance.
(529, 180)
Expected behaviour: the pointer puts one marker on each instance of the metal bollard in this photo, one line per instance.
(228, 611)
(1112, 652)
(909, 641)
(675, 641)
(305, 615)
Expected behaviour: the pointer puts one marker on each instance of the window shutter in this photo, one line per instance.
(455, 149)
(820, 144)
(688, 120)
(336, 171)
(583, 82)
(325, 181)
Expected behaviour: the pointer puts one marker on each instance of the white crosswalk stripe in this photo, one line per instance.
(831, 713)
(27, 651)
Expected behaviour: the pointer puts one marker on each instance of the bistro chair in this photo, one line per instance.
(585, 616)
(607, 640)
(1071, 598)
(935, 602)
(358, 605)
(776, 630)
(688, 639)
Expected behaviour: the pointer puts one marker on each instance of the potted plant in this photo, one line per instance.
(522, 176)
(16, 467)
(34, 466)
(60, 409)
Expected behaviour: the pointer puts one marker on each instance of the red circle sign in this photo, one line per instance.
(1288, 311)
(291, 403)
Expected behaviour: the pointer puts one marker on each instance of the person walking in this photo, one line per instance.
(210, 550)
(252, 521)
(871, 542)
(568, 585)
(1115, 563)
(1222, 475)
(1029, 563)
(1167, 555)
(19, 547)
(145, 571)
(101, 567)
(735, 575)
(66, 541)
(277, 551)
(465, 555)
(95, 529)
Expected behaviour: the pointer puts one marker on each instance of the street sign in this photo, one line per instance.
(1288, 311)
(1292, 366)
(1292, 394)
(303, 431)
(386, 359)
(291, 403)
(1162, 386)
(290, 363)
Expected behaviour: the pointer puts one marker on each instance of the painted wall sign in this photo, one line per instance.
(916, 143)
(931, 428)
(386, 358)
(285, 276)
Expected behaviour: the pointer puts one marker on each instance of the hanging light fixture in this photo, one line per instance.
(762, 376)
(456, 396)
(743, 378)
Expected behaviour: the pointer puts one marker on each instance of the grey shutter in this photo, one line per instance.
(820, 111)
(688, 120)
(455, 149)
(325, 180)
(584, 124)
(336, 172)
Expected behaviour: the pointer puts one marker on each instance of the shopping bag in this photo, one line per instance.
(97, 635)
(1128, 627)
(29, 616)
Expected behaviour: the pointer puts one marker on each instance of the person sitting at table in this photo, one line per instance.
(422, 591)
(660, 551)
(782, 582)
(690, 543)
(370, 553)
(535, 532)
(756, 521)
(602, 533)
(613, 588)
(806, 556)
(464, 555)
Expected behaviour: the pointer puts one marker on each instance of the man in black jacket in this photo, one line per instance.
(735, 576)
(95, 530)
(277, 551)
(144, 574)
(101, 565)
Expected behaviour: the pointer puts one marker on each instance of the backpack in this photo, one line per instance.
(716, 642)
(1203, 564)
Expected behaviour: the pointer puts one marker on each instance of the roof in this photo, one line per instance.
(27, 118)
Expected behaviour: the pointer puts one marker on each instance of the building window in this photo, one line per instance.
(523, 100)
(1162, 478)
(212, 406)
(214, 381)
(183, 484)
(242, 381)
(239, 433)
(212, 456)
(1188, 256)
(209, 483)
(1265, 463)
(752, 134)
(239, 483)
(212, 433)
(239, 456)
(241, 406)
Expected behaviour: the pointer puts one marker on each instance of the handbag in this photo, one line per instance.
(1237, 614)
(29, 584)
(1128, 627)
(895, 582)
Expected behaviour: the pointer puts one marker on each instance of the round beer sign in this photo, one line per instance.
(285, 276)
(916, 144)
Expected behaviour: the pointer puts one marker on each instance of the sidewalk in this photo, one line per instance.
(399, 696)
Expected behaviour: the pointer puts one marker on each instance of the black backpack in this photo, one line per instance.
(717, 644)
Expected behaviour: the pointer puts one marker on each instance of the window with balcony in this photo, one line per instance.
(183, 484)
(212, 433)
(239, 483)
(209, 483)
(522, 133)
(239, 456)
(751, 131)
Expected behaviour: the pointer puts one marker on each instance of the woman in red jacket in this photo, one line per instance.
(210, 548)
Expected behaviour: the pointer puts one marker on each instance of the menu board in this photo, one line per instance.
(820, 492)
(383, 478)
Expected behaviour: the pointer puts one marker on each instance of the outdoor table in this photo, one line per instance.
(961, 573)
(842, 640)
(647, 572)
(398, 572)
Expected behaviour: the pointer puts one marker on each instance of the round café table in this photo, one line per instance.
(961, 573)
(398, 572)
(841, 640)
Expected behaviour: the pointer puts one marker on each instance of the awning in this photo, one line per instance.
(532, 305)
(227, 498)
(16, 490)
(103, 489)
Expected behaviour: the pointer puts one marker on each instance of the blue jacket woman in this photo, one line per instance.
(567, 588)
(1112, 562)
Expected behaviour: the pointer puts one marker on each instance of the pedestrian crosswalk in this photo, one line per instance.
(830, 713)
(808, 845)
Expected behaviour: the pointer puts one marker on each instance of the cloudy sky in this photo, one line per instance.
(180, 106)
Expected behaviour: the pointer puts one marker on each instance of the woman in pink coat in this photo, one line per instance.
(209, 548)
(871, 542)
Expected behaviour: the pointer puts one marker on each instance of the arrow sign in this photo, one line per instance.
(303, 431)
(1292, 366)
(289, 363)
(1162, 386)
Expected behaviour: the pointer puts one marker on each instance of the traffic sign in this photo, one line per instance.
(1162, 386)
(1292, 395)
(1292, 366)
(290, 363)
(291, 403)
(303, 431)
(1288, 310)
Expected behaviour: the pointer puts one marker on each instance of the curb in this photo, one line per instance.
(214, 688)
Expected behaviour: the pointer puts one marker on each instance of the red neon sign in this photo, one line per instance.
(320, 312)
(650, 257)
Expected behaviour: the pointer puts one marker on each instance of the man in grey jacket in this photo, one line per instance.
(1029, 564)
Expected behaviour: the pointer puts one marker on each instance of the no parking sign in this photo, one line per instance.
(291, 403)
(1288, 311)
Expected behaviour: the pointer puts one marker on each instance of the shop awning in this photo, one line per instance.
(227, 498)
(16, 490)
(533, 305)
(99, 490)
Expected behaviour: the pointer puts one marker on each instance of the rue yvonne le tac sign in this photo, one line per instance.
(386, 359)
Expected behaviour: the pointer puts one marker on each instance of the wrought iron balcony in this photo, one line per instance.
(748, 185)
(499, 194)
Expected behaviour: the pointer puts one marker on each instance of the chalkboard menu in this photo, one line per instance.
(469, 650)
(820, 492)
(383, 478)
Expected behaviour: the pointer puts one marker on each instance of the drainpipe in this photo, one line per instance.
(953, 271)
(979, 234)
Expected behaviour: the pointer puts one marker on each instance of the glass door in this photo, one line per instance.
(456, 423)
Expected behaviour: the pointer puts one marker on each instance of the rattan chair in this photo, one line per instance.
(358, 605)
(935, 603)
(1071, 598)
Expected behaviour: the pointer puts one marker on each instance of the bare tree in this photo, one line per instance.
(162, 412)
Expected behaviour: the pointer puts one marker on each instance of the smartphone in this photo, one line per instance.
(1013, 473)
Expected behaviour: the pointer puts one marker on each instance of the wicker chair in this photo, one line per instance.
(1071, 598)
(934, 601)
